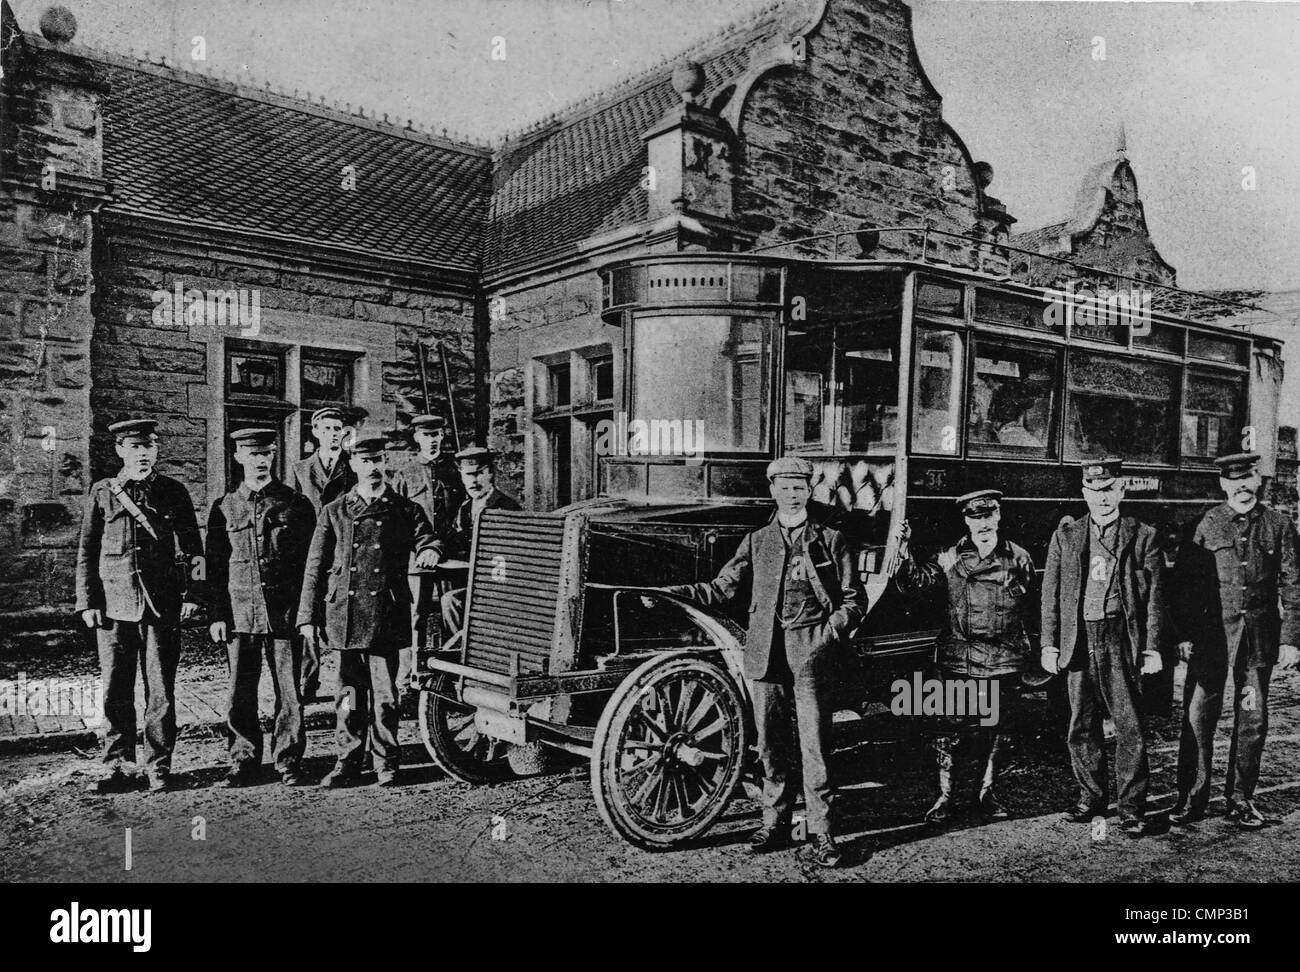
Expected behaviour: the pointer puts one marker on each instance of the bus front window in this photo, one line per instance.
(841, 370)
(700, 383)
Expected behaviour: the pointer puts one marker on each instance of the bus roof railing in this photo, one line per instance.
(1171, 300)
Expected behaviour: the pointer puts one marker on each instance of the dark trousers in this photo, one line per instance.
(311, 666)
(367, 702)
(1102, 678)
(1202, 705)
(243, 725)
(965, 747)
(804, 690)
(155, 646)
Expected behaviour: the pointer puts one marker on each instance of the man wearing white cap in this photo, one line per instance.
(805, 601)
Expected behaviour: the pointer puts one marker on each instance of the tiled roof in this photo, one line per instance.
(1045, 239)
(580, 174)
(189, 147)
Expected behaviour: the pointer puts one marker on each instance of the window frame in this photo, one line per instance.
(1056, 421)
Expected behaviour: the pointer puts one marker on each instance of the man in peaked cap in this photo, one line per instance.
(1251, 560)
(326, 473)
(135, 590)
(478, 475)
(321, 477)
(805, 601)
(432, 483)
(988, 581)
(354, 587)
(1101, 618)
(257, 541)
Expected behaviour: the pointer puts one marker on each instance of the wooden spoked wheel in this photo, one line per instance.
(668, 751)
(455, 743)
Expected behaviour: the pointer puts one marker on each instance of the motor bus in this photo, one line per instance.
(906, 382)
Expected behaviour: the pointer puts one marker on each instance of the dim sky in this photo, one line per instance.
(1203, 89)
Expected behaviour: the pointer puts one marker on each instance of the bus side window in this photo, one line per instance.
(936, 391)
(1013, 402)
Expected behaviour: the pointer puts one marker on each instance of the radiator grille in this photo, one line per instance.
(513, 590)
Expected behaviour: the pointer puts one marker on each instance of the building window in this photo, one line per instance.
(602, 377)
(255, 398)
(573, 397)
(325, 379)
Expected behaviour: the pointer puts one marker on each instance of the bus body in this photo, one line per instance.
(905, 384)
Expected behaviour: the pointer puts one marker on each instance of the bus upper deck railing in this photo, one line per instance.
(1168, 299)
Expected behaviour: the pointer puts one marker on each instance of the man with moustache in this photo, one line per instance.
(354, 587)
(805, 600)
(437, 489)
(135, 591)
(987, 580)
(1101, 621)
(478, 474)
(321, 477)
(1253, 553)
(257, 541)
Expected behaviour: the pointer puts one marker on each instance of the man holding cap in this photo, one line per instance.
(355, 588)
(135, 591)
(1101, 617)
(988, 580)
(805, 601)
(257, 541)
(437, 490)
(1235, 628)
(478, 473)
(321, 477)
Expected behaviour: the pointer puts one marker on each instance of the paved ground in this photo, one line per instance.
(547, 829)
(201, 687)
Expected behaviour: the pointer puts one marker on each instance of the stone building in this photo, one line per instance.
(218, 255)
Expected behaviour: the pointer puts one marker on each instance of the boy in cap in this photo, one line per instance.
(1231, 624)
(805, 600)
(478, 474)
(355, 588)
(322, 476)
(135, 591)
(257, 541)
(437, 489)
(988, 580)
(1101, 620)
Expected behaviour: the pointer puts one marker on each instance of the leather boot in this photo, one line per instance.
(942, 808)
(990, 807)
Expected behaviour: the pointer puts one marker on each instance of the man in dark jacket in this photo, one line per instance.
(257, 541)
(431, 482)
(355, 588)
(1243, 559)
(322, 477)
(135, 591)
(805, 601)
(988, 580)
(1101, 618)
(478, 473)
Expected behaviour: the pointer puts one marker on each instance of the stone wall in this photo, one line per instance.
(51, 184)
(854, 135)
(177, 374)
